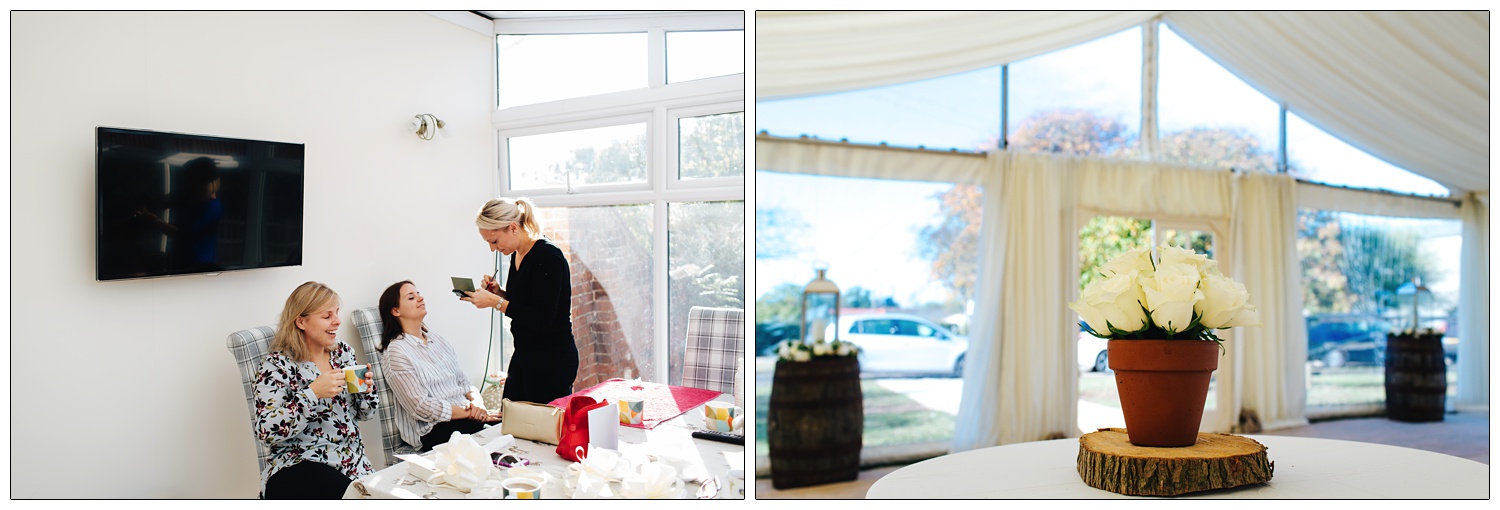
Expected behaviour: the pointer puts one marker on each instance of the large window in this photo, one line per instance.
(907, 284)
(627, 130)
(1208, 116)
(1319, 157)
(1354, 268)
(1083, 100)
(960, 111)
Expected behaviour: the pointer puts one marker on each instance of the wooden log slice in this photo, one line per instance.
(1107, 461)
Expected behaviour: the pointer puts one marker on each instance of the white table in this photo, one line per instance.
(1304, 468)
(670, 438)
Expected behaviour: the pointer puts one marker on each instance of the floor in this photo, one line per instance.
(1465, 434)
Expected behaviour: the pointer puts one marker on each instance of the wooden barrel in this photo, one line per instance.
(815, 422)
(1416, 378)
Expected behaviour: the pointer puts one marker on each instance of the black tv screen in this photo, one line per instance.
(174, 204)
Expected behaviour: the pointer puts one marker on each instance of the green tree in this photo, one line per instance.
(778, 233)
(715, 146)
(1350, 266)
(782, 304)
(857, 297)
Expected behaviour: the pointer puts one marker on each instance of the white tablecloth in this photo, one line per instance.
(672, 438)
(1304, 468)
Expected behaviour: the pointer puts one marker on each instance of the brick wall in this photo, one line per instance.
(611, 286)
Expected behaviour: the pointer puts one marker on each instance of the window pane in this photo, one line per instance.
(1316, 156)
(609, 256)
(711, 146)
(1352, 269)
(960, 111)
(706, 266)
(1085, 99)
(607, 155)
(1210, 117)
(540, 68)
(913, 271)
(695, 55)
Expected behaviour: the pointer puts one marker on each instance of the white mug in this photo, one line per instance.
(734, 485)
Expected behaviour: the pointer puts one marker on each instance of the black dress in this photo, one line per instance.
(545, 360)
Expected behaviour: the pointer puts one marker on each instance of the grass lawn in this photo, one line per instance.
(890, 418)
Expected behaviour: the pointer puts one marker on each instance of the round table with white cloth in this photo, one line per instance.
(1304, 468)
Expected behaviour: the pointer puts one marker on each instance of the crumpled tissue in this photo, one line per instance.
(654, 480)
(463, 463)
(595, 471)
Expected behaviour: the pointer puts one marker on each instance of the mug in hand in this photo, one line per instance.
(355, 377)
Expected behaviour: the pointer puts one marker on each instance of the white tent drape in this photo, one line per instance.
(1411, 88)
(805, 53)
(1021, 380)
(1474, 305)
(1269, 376)
(863, 161)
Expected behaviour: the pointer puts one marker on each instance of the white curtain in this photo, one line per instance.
(1411, 88)
(1021, 381)
(795, 155)
(805, 53)
(1269, 381)
(1333, 198)
(1474, 305)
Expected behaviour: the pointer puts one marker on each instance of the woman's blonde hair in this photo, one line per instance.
(308, 298)
(502, 212)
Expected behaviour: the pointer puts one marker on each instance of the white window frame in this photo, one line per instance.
(660, 104)
(674, 137)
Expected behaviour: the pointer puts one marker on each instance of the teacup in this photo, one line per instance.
(355, 377)
(632, 410)
(720, 416)
(522, 488)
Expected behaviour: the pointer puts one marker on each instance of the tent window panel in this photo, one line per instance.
(960, 111)
(1083, 100)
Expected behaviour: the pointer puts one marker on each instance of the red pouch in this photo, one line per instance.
(573, 439)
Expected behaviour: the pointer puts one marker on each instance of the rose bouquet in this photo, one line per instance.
(1180, 296)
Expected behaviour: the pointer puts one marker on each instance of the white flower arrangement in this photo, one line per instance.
(792, 350)
(1181, 296)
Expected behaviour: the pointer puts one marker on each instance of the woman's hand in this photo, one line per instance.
(369, 379)
(492, 416)
(488, 283)
(477, 413)
(328, 384)
(482, 299)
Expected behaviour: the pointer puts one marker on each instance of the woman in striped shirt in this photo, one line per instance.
(434, 397)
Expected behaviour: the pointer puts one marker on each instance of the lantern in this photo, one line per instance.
(1420, 295)
(820, 308)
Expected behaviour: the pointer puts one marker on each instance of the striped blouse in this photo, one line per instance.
(427, 383)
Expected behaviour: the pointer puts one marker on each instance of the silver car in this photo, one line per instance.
(906, 344)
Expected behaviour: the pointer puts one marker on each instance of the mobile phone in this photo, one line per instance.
(459, 293)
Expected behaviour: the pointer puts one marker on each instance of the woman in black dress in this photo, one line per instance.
(537, 299)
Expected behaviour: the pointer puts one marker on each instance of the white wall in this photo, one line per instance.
(125, 389)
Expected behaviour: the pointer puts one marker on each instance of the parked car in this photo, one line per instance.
(769, 334)
(1338, 339)
(907, 344)
(1093, 353)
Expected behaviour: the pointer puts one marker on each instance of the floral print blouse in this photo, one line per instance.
(298, 426)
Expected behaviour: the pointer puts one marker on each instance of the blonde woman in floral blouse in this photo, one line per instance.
(302, 410)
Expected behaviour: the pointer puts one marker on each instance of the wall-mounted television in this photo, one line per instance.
(174, 204)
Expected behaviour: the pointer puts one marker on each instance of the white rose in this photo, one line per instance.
(801, 355)
(1112, 302)
(1225, 304)
(1138, 259)
(821, 349)
(1171, 295)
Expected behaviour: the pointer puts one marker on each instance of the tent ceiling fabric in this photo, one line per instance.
(1411, 88)
(805, 53)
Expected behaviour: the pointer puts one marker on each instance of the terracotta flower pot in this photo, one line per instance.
(1163, 385)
